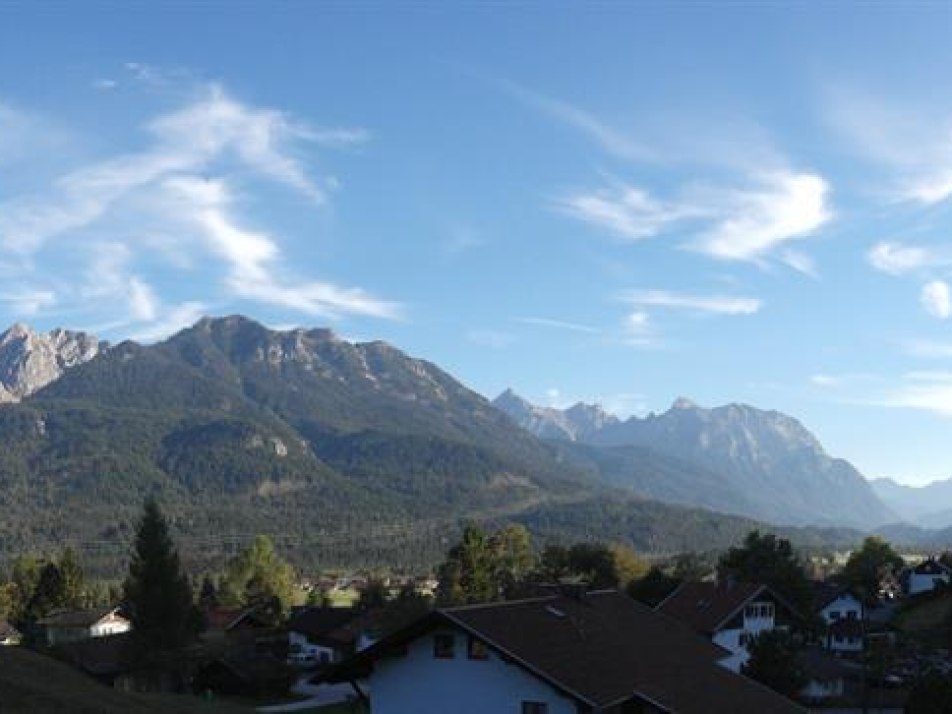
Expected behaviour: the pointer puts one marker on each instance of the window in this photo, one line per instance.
(535, 708)
(476, 649)
(851, 615)
(444, 646)
(834, 614)
(759, 610)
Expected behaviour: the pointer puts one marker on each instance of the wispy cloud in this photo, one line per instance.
(175, 319)
(557, 324)
(913, 143)
(615, 142)
(710, 304)
(179, 198)
(936, 299)
(900, 259)
(748, 223)
(782, 208)
(925, 391)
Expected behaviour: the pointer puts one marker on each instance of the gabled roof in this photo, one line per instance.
(79, 618)
(321, 621)
(707, 607)
(224, 618)
(824, 593)
(930, 566)
(602, 650)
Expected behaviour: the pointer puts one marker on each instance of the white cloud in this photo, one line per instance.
(557, 324)
(914, 143)
(611, 140)
(104, 85)
(898, 259)
(936, 299)
(784, 207)
(926, 391)
(179, 188)
(639, 331)
(28, 302)
(713, 304)
(627, 211)
(171, 321)
(742, 224)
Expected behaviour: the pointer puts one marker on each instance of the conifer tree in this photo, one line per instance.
(156, 592)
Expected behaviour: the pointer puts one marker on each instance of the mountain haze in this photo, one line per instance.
(736, 459)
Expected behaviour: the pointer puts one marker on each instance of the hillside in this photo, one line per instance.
(31, 683)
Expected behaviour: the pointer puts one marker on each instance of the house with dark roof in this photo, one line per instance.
(730, 614)
(73, 625)
(926, 577)
(594, 653)
(314, 635)
(843, 615)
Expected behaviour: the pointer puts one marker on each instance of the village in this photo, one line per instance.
(502, 626)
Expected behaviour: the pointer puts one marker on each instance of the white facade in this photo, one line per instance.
(756, 617)
(419, 682)
(110, 624)
(846, 607)
(926, 582)
(302, 651)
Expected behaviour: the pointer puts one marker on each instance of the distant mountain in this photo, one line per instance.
(736, 459)
(928, 506)
(30, 360)
(577, 423)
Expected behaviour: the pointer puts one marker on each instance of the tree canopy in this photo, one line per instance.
(258, 576)
(867, 566)
(767, 559)
(774, 662)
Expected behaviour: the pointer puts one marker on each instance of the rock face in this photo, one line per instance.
(30, 360)
(762, 464)
(577, 423)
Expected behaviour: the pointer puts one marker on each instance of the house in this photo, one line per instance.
(314, 635)
(9, 635)
(843, 615)
(730, 614)
(594, 653)
(73, 625)
(926, 577)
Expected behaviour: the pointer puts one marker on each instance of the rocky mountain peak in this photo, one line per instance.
(683, 404)
(30, 360)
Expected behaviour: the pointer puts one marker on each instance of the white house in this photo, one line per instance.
(730, 613)
(844, 616)
(597, 653)
(926, 576)
(74, 625)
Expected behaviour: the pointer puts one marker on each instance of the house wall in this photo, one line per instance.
(110, 625)
(734, 639)
(925, 583)
(419, 683)
(299, 644)
(844, 604)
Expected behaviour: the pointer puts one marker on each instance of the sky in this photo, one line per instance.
(619, 203)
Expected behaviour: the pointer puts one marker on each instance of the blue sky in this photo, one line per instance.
(609, 202)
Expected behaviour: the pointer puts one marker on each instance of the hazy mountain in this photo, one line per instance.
(578, 423)
(736, 459)
(928, 506)
(31, 360)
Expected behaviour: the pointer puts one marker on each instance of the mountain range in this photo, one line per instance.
(928, 506)
(358, 453)
(733, 459)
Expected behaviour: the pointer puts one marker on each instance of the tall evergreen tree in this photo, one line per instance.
(74, 595)
(156, 592)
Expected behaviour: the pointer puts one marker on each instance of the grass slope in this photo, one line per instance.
(33, 684)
